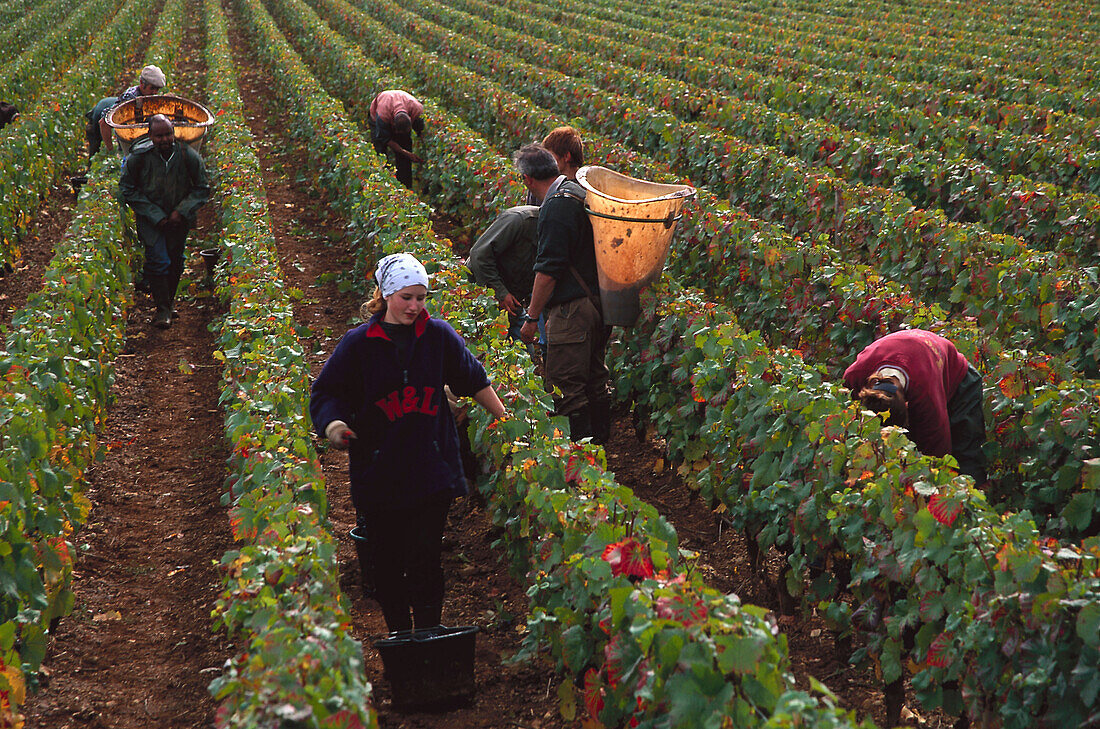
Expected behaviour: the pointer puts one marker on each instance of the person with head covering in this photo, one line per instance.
(164, 181)
(381, 395)
(98, 132)
(394, 116)
(924, 384)
(150, 82)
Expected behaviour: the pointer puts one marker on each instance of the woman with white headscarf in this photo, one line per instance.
(381, 396)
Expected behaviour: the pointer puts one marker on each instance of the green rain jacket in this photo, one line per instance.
(154, 187)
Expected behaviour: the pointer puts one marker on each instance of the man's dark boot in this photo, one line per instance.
(600, 415)
(163, 299)
(580, 424)
(173, 288)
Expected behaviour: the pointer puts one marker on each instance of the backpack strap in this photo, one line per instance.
(587, 291)
(567, 193)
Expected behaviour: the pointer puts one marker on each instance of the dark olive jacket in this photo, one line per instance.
(154, 187)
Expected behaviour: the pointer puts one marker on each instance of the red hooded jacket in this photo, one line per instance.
(934, 368)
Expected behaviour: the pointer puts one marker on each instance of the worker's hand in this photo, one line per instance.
(176, 220)
(529, 331)
(458, 408)
(415, 157)
(161, 224)
(339, 434)
(510, 304)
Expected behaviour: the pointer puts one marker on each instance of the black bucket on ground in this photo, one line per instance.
(210, 257)
(429, 670)
(366, 564)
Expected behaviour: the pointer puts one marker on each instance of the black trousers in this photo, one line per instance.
(406, 545)
(381, 133)
(91, 134)
(967, 419)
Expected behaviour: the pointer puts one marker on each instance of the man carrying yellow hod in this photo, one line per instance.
(165, 183)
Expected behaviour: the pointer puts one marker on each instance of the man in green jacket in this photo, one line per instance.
(503, 259)
(165, 183)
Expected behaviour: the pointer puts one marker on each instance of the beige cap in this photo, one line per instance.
(153, 76)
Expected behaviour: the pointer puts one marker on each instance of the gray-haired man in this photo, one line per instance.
(566, 285)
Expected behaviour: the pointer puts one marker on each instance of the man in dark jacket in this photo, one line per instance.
(165, 183)
(567, 286)
(8, 112)
(503, 259)
(93, 130)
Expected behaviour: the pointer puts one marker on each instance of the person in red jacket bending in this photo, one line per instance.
(928, 387)
(394, 116)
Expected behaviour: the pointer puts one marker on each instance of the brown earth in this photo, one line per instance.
(139, 650)
(36, 250)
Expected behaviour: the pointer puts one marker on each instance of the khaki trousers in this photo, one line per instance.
(575, 355)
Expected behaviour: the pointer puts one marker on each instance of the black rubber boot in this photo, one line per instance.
(163, 300)
(362, 551)
(397, 616)
(580, 424)
(173, 288)
(427, 618)
(600, 416)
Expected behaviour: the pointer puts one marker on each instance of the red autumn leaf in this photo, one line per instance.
(613, 661)
(628, 557)
(937, 651)
(1012, 386)
(593, 693)
(677, 607)
(929, 608)
(343, 719)
(944, 510)
(575, 463)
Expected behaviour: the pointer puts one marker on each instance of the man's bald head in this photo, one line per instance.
(158, 120)
(162, 132)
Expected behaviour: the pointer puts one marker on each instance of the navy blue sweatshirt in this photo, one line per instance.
(407, 446)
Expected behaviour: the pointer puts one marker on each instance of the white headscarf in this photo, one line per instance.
(397, 271)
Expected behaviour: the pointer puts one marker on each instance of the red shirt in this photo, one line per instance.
(389, 102)
(934, 368)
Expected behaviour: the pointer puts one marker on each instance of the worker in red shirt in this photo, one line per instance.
(928, 387)
(394, 116)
